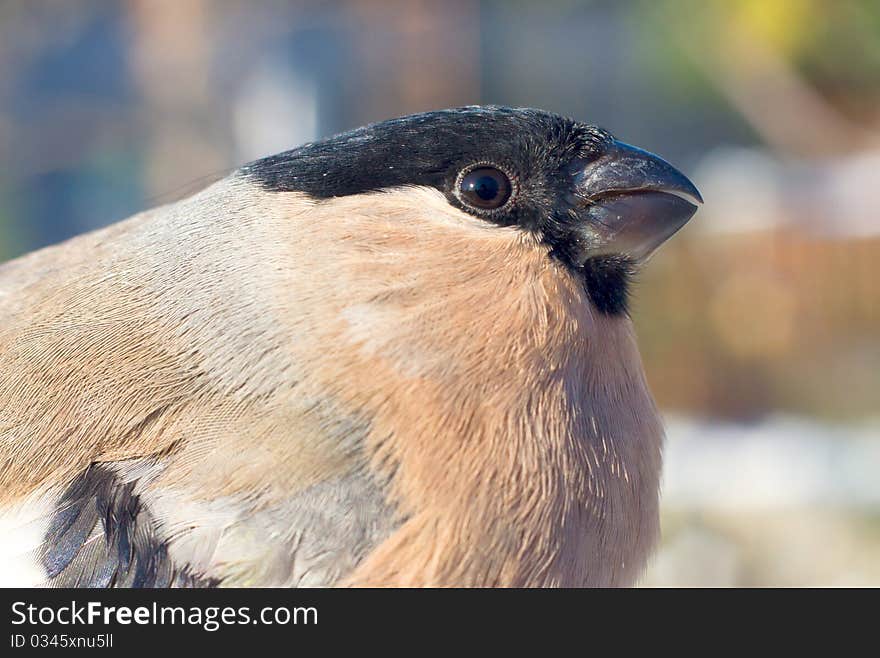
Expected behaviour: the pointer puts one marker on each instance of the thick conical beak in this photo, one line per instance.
(633, 201)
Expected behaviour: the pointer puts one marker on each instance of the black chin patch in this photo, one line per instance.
(607, 281)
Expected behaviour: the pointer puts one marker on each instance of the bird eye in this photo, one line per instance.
(486, 188)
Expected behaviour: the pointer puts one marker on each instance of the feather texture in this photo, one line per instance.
(377, 389)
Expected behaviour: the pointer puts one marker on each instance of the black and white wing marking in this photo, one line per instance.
(102, 535)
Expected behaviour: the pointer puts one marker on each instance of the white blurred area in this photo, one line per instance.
(780, 462)
(275, 110)
(752, 189)
(786, 501)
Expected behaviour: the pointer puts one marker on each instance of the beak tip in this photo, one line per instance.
(695, 194)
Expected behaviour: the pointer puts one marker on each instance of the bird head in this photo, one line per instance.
(599, 206)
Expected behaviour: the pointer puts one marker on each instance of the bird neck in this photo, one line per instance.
(513, 425)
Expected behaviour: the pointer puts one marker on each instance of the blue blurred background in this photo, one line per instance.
(759, 324)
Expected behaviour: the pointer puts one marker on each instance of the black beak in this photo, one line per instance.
(632, 201)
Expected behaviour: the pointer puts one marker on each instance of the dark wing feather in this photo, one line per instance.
(101, 535)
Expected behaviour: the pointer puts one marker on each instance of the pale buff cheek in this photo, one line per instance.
(411, 280)
(372, 329)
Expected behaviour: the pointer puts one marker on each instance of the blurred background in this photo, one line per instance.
(759, 324)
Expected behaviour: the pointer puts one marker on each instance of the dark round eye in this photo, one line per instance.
(485, 188)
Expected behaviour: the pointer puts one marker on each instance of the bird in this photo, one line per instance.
(401, 356)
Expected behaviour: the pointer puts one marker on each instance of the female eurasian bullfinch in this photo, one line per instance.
(400, 356)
